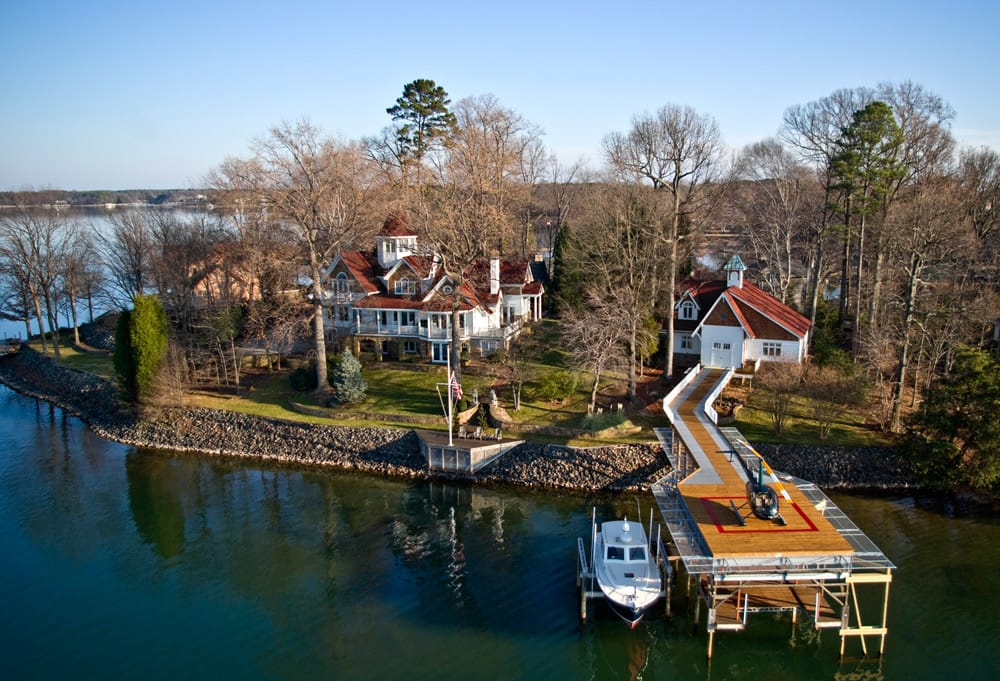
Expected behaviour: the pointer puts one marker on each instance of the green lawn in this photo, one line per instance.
(411, 391)
(755, 422)
(95, 363)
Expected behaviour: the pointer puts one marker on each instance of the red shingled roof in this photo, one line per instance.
(771, 307)
(397, 224)
(741, 301)
(362, 268)
(420, 264)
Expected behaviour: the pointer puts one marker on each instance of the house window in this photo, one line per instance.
(406, 287)
(439, 353)
(772, 349)
(409, 318)
(340, 284)
(409, 347)
(343, 313)
(688, 311)
(686, 342)
(488, 347)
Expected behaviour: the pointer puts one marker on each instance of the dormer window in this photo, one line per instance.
(687, 311)
(406, 287)
(340, 284)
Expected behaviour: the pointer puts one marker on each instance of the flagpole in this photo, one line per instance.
(450, 443)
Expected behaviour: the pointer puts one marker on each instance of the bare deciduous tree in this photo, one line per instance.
(127, 251)
(618, 244)
(471, 211)
(678, 151)
(780, 382)
(34, 245)
(315, 187)
(931, 236)
(777, 204)
(597, 341)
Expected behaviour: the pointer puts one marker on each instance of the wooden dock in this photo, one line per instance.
(806, 531)
(810, 562)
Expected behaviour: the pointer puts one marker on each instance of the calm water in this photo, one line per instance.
(125, 564)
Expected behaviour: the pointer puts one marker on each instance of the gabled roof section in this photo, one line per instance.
(438, 297)
(772, 308)
(516, 272)
(421, 265)
(704, 294)
(748, 304)
(361, 267)
(533, 288)
(397, 224)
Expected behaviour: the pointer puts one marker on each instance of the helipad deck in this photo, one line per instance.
(814, 561)
(719, 486)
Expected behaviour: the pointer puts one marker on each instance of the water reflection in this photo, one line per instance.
(122, 564)
(154, 496)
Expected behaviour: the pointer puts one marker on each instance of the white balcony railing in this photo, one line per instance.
(430, 333)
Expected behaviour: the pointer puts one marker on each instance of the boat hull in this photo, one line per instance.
(626, 572)
(626, 613)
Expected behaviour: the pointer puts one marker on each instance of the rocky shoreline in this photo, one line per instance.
(395, 452)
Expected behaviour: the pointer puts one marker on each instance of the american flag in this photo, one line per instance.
(456, 389)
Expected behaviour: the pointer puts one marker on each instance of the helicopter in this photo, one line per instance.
(762, 498)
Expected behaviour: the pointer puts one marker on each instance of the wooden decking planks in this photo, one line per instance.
(806, 531)
(773, 597)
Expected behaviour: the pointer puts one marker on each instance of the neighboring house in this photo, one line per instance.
(731, 323)
(398, 300)
(222, 277)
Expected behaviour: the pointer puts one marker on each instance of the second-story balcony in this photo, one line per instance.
(428, 332)
(399, 330)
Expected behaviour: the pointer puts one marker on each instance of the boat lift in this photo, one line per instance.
(585, 575)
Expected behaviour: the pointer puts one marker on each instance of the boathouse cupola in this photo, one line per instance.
(395, 241)
(734, 272)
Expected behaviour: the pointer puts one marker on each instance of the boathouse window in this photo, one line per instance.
(637, 553)
(772, 349)
(616, 553)
(686, 343)
(687, 310)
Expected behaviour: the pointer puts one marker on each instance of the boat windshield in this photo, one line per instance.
(637, 553)
(616, 553)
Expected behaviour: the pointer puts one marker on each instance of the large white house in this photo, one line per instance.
(731, 322)
(397, 301)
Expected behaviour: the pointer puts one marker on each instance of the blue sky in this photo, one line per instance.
(122, 95)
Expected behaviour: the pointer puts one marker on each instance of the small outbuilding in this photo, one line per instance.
(732, 323)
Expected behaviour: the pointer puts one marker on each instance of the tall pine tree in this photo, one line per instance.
(426, 120)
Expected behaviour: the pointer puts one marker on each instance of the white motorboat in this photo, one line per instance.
(626, 570)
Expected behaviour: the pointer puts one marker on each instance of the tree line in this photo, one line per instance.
(861, 212)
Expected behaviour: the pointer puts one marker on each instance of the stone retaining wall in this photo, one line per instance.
(395, 452)
(386, 451)
(857, 468)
